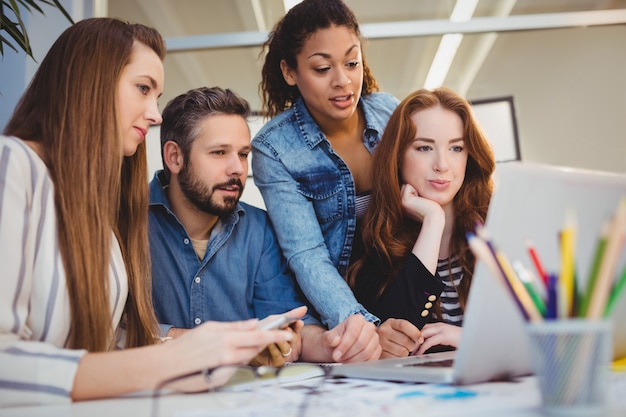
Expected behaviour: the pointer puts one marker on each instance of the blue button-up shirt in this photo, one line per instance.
(310, 197)
(243, 274)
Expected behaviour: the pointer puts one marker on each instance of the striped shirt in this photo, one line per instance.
(35, 365)
(361, 203)
(450, 272)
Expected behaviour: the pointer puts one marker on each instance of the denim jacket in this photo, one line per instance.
(310, 197)
(243, 274)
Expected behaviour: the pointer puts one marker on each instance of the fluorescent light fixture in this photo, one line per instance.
(462, 12)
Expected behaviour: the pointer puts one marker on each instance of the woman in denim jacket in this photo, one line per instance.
(312, 161)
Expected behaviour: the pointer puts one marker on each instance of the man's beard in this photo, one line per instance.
(201, 196)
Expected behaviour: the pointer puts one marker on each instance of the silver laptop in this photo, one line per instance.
(529, 202)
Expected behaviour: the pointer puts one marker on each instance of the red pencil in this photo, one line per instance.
(538, 266)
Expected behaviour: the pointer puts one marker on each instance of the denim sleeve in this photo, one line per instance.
(275, 289)
(301, 240)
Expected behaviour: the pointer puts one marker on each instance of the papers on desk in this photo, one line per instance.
(346, 396)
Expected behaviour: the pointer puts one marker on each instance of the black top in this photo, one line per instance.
(411, 295)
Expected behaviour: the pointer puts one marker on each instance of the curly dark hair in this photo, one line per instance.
(286, 40)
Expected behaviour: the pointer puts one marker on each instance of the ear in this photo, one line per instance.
(288, 73)
(173, 157)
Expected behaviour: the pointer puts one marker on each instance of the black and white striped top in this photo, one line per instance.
(451, 310)
(361, 204)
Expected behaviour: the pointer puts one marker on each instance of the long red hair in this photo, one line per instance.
(388, 235)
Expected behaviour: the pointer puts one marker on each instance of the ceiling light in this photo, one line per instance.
(462, 12)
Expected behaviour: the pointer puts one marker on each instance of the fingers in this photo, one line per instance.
(231, 325)
(231, 342)
(428, 343)
(276, 357)
(359, 340)
(285, 349)
(440, 334)
(297, 312)
(398, 338)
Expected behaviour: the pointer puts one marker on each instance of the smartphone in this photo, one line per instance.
(276, 322)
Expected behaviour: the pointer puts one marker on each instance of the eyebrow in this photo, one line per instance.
(433, 140)
(225, 145)
(327, 56)
(153, 83)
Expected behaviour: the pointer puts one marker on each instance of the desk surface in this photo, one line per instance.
(340, 397)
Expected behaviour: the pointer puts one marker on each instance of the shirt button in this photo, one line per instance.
(424, 313)
(428, 305)
(432, 297)
(197, 321)
(197, 280)
(186, 241)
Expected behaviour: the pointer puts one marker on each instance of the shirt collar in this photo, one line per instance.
(311, 132)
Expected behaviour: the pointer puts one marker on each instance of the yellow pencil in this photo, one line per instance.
(484, 252)
(518, 287)
(566, 281)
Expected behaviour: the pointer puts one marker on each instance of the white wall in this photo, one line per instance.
(569, 87)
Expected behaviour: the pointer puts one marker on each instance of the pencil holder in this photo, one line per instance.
(572, 360)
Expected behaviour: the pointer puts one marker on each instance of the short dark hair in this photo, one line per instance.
(183, 114)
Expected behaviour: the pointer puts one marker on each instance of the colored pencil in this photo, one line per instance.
(595, 268)
(534, 257)
(566, 279)
(617, 292)
(516, 287)
(614, 244)
(527, 280)
(484, 253)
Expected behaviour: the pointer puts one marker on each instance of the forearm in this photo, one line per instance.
(409, 295)
(314, 346)
(326, 290)
(109, 374)
(426, 247)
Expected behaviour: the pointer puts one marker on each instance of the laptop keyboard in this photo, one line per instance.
(443, 363)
